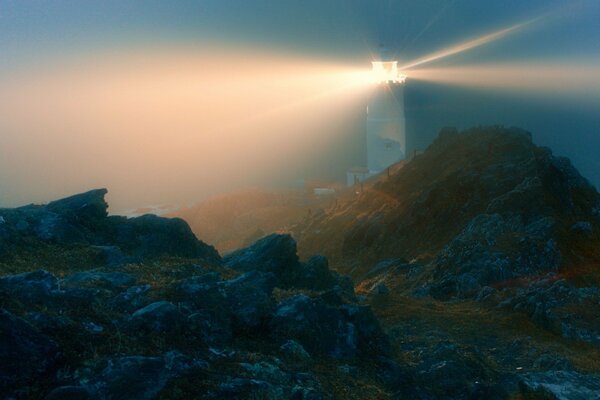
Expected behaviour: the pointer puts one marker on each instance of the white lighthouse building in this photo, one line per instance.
(386, 125)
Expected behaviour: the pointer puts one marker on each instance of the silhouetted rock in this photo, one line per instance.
(110, 280)
(561, 385)
(25, 354)
(249, 298)
(83, 219)
(340, 332)
(137, 377)
(160, 316)
(274, 253)
(492, 249)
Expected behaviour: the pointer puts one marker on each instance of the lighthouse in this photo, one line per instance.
(385, 121)
(386, 125)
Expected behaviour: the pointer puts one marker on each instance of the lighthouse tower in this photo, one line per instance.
(386, 125)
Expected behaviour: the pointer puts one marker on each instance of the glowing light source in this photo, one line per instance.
(387, 72)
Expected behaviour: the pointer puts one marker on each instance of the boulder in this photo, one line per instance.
(150, 236)
(137, 377)
(249, 298)
(561, 385)
(492, 249)
(320, 328)
(30, 287)
(109, 280)
(131, 299)
(25, 354)
(160, 316)
(275, 253)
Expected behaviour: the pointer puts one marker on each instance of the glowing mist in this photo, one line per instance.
(169, 125)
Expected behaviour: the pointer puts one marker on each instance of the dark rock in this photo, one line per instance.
(294, 350)
(150, 236)
(111, 280)
(211, 327)
(25, 354)
(314, 274)
(493, 249)
(160, 316)
(550, 302)
(339, 332)
(249, 298)
(275, 253)
(371, 338)
(450, 372)
(561, 385)
(243, 388)
(113, 256)
(83, 219)
(88, 205)
(131, 299)
(30, 287)
(320, 328)
(71, 393)
(554, 362)
(583, 227)
(138, 377)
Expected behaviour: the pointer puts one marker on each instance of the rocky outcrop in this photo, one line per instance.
(83, 219)
(142, 331)
(483, 206)
(561, 385)
(26, 355)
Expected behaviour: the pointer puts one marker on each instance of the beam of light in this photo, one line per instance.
(469, 45)
(169, 125)
(575, 79)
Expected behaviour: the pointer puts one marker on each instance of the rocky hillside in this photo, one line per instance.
(486, 204)
(158, 314)
(476, 277)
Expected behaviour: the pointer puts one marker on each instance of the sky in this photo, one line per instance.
(173, 101)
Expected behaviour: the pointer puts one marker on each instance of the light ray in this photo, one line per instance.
(574, 79)
(469, 45)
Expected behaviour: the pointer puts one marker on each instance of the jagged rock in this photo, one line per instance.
(111, 280)
(552, 362)
(561, 385)
(113, 256)
(243, 388)
(88, 205)
(25, 354)
(449, 372)
(549, 303)
(294, 350)
(583, 227)
(275, 253)
(371, 338)
(249, 298)
(83, 219)
(320, 328)
(493, 249)
(71, 393)
(30, 287)
(314, 274)
(131, 299)
(150, 236)
(137, 377)
(160, 316)
(211, 327)
(340, 332)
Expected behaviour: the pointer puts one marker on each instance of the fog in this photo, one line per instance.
(170, 125)
(170, 102)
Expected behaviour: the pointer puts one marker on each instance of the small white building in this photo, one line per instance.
(356, 175)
